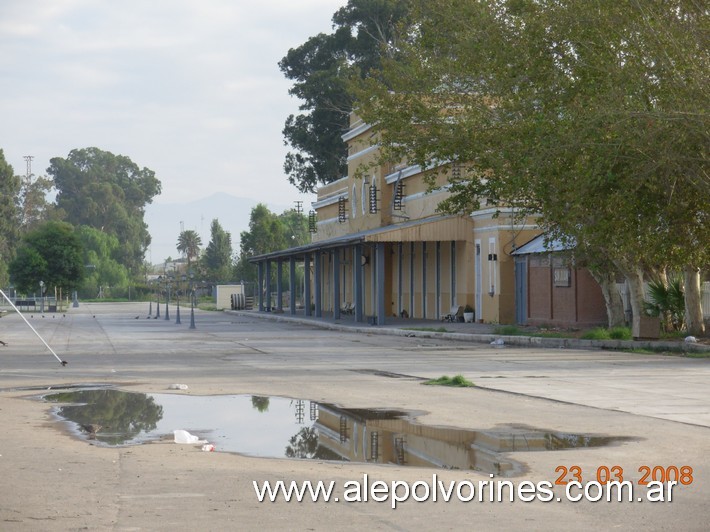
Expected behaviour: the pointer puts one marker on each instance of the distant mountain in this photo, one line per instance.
(166, 220)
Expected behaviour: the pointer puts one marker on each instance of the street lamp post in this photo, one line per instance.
(192, 300)
(41, 295)
(177, 294)
(167, 296)
(157, 306)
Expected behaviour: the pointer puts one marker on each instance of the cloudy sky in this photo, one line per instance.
(188, 88)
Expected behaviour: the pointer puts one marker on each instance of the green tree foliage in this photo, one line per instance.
(108, 192)
(188, 244)
(51, 253)
(319, 69)
(119, 416)
(34, 207)
(9, 215)
(102, 268)
(217, 259)
(269, 232)
(260, 403)
(591, 114)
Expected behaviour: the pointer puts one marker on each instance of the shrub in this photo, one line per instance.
(596, 334)
(620, 333)
(667, 303)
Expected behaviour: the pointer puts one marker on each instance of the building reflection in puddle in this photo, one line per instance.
(301, 429)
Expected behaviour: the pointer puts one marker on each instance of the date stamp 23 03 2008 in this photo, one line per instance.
(603, 474)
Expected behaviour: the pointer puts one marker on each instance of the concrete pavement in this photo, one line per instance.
(56, 482)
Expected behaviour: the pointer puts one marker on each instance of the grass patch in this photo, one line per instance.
(427, 329)
(507, 330)
(598, 333)
(553, 334)
(457, 381)
(620, 333)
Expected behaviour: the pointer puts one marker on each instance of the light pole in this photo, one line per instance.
(192, 300)
(167, 296)
(41, 295)
(157, 306)
(177, 294)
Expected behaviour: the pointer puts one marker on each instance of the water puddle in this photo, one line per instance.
(280, 427)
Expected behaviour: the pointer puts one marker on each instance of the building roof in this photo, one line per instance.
(543, 244)
(413, 230)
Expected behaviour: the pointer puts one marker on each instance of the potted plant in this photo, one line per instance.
(468, 314)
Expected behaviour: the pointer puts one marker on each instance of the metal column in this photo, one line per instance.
(267, 290)
(260, 285)
(318, 282)
(307, 284)
(336, 283)
(279, 285)
(292, 284)
(380, 276)
(357, 262)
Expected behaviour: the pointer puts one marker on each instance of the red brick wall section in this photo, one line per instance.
(591, 309)
(580, 305)
(539, 293)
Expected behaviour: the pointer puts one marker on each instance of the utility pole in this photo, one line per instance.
(28, 159)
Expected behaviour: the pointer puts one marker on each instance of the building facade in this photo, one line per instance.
(380, 248)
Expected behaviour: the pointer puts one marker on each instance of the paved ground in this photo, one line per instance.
(56, 482)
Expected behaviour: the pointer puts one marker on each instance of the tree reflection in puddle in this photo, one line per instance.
(301, 429)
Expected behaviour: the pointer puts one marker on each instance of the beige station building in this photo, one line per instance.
(380, 249)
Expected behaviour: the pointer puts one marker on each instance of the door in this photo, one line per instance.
(521, 290)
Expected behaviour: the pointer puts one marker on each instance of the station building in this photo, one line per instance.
(380, 249)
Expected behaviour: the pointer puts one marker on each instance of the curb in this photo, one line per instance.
(519, 341)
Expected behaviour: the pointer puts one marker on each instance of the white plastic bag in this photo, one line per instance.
(182, 436)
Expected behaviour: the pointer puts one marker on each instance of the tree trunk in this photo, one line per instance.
(693, 304)
(634, 278)
(612, 297)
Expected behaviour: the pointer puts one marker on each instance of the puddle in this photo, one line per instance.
(279, 427)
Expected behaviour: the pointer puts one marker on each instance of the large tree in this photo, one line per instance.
(103, 273)
(108, 192)
(319, 69)
(53, 254)
(268, 232)
(9, 215)
(35, 209)
(591, 114)
(217, 259)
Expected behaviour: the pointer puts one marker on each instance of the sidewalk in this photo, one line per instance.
(469, 332)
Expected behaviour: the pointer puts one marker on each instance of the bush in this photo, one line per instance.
(596, 334)
(667, 303)
(620, 333)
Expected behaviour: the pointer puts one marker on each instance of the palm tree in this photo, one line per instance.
(189, 243)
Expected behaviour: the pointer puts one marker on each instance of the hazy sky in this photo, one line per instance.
(188, 88)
